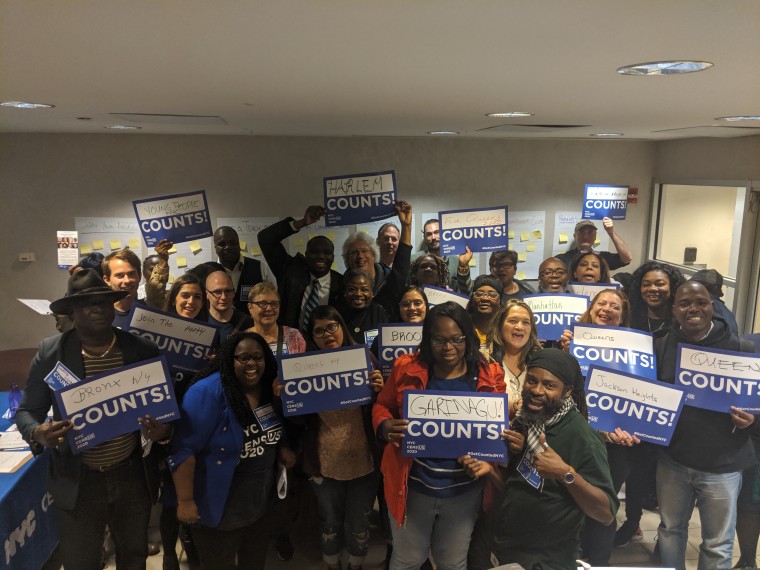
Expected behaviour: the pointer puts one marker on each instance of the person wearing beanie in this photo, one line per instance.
(503, 265)
(484, 304)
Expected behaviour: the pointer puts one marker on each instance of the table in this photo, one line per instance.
(27, 518)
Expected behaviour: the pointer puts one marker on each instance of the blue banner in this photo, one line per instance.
(108, 405)
(396, 339)
(359, 198)
(617, 348)
(451, 424)
(645, 408)
(187, 344)
(480, 229)
(602, 201)
(555, 313)
(325, 380)
(178, 218)
(60, 377)
(718, 379)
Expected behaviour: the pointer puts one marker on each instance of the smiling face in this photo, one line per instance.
(327, 333)
(320, 254)
(249, 364)
(607, 310)
(543, 393)
(227, 246)
(360, 256)
(447, 343)
(124, 277)
(427, 271)
(388, 242)
(485, 299)
(358, 293)
(655, 289)
(589, 270)
(265, 308)
(585, 238)
(515, 331)
(412, 307)
(189, 301)
(693, 309)
(432, 236)
(553, 276)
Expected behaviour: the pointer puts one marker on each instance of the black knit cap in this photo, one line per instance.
(561, 364)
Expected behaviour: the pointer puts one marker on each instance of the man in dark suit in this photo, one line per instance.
(112, 483)
(303, 280)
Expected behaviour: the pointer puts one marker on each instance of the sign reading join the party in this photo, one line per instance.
(187, 343)
(591, 290)
(397, 339)
(178, 218)
(108, 405)
(601, 201)
(325, 380)
(555, 313)
(718, 379)
(438, 296)
(480, 230)
(359, 198)
(645, 408)
(451, 424)
(618, 348)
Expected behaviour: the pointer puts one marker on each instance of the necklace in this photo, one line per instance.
(649, 322)
(103, 355)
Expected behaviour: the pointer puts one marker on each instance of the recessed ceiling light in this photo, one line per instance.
(123, 127)
(25, 105)
(443, 132)
(739, 118)
(607, 134)
(511, 114)
(664, 67)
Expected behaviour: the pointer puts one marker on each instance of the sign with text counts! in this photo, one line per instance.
(618, 348)
(555, 313)
(718, 379)
(325, 380)
(602, 201)
(451, 424)
(359, 198)
(397, 339)
(178, 218)
(478, 229)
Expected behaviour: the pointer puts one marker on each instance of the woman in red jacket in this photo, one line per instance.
(433, 503)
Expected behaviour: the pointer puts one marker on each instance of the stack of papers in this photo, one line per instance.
(11, 440)
(10, 461)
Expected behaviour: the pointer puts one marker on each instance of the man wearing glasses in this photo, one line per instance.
(503, 266)
(552, 276)
(220, 293)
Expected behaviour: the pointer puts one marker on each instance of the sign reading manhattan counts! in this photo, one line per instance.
(178, 218)
(359, 198)
(479, 229)
(555, 313)
(603, 201)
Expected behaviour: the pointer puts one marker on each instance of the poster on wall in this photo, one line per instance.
(68, 248)
(604, 201)
(564, 227)
(358, 198)
(526, 237)
(106, 235)
(178, 218)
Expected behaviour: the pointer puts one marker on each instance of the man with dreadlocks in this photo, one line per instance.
(560, 477)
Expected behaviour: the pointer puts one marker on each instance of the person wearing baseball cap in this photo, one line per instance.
(713, 282)
(585, 237)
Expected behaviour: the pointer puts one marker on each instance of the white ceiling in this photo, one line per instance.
(379, 67)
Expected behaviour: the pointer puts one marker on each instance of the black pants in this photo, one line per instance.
(217, 549)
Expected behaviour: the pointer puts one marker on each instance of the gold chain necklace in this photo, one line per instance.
(103, 355)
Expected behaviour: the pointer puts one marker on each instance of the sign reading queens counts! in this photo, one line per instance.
(626, 350)
(645, 408)
(451, 424)
(601, 201)
(325, 380)
(555, 313)
(480, 230)
(397, 339)
(178, 218)
(718, 379)
(359, 198)
(108, 405)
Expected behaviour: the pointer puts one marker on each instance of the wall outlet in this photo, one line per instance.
(27, 257)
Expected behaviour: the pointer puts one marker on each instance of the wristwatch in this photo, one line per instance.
(569, 477)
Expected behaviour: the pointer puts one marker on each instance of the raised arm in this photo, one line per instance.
(620, 246)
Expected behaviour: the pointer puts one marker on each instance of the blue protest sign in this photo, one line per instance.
(359, 198)
(591, 290)
(718, 379)
(476, 228)
(178, 218)
(555, 313)
(617, 348)
(108, 405)
(438, 296)
(186, 343)
(397, 339)
(451, 424)
(325, 380)
(60, 377)
(603, 201)
(645, 408)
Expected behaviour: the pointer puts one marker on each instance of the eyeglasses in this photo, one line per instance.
(550, 272)
(417, 303)
(503, 265)
(219, 292)
(455, 340)
(489, 294)
(246, 358)
(264, 304)
(332, 328)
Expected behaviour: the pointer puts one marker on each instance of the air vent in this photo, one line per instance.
(168, 119)
(518, 128)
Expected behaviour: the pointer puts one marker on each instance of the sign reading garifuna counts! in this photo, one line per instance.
(555, 313)
(602, 201)
(480, 229)
(178, 218)
(359, 198)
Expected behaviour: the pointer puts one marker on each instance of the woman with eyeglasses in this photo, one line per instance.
(225, 454)
(503, 266)
(484, 302)
(433, 503)
(264, 306)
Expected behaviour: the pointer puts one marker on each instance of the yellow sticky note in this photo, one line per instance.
(521, 275)
(511, 234)
(195, 246)
(115, 244)
(536, 234)
(312, 236)
(562, 238)
(597, 242)
(181, 262)
(243, 245)
(255, 250)
(361, 229)
(521, 256)
(530, 247)
(85, 249)
(334, 266)
(330, 236)
(511, 245)
(97, 244)
(171, 278)
(298, 242)
(134, 243)
(473, 262)
(524, 236)
(173, 249)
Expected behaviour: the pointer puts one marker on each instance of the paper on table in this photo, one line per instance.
(10, 461)
(12, 440)
(41, 306)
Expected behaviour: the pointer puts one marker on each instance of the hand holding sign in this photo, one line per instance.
(566, 339)
(376, 381)
(475, 468)
(155, 430)
(548, 463)
(163, 247)
(464, 260)
(51, 433)
(608, 226)
(404, 213)
(311, 216)
(393, 430)
(622, 437)
(740, 418)
(515, 441)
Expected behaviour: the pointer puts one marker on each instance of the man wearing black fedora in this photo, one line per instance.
(115, 482)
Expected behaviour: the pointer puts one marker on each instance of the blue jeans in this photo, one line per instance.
(715, 494)
(443, 526)
(344, 509)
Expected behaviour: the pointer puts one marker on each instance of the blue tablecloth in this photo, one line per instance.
(27, 526)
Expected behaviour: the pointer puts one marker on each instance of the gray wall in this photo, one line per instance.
(708, 159)
(48, 179)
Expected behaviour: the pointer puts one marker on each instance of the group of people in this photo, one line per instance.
(219, 467)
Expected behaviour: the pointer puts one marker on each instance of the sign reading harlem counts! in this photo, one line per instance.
(178, 218)
(479, 229)
(645, 408)
(718, 379)
(618, 348)
(451, 424)
(603, 201)
(554, 314)
(325, 380)
(359, 198)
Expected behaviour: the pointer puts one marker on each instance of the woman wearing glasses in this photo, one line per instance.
(433, 503)
(225, 451)
(264, 306)
(503, 265)
(484, 302)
